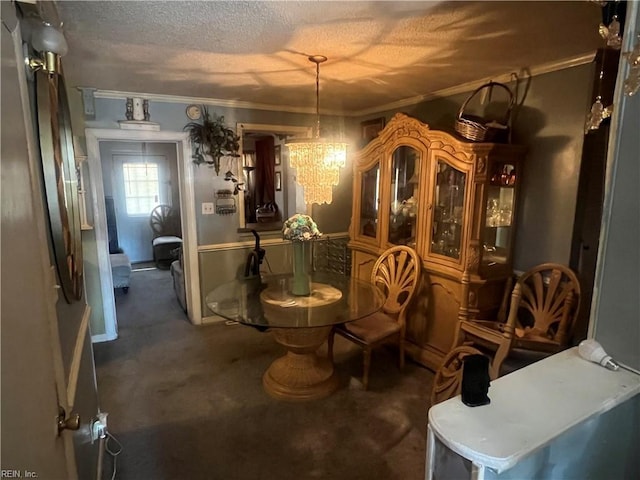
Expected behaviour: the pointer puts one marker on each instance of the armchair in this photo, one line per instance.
(165, 224)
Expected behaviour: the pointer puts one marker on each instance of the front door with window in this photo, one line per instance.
(140, 183)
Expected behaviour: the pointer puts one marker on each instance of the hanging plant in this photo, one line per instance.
(212, 140)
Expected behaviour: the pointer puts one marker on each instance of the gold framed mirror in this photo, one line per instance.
(60, 176)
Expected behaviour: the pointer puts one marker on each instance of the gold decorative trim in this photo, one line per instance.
(473, 258)
(481, 165)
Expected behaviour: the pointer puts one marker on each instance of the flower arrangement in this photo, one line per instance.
(301, 228)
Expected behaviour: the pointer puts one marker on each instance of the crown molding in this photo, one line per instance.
(446, 92)
(469, 86)
(218, 102)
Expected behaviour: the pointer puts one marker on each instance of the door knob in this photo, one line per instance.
(64, 423)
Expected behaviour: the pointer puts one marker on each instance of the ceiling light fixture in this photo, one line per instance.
(317, 161)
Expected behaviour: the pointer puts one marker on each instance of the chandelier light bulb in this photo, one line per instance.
(591, 350)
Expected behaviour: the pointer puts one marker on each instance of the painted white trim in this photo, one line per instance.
(76, 360)
(103, 337)
(465, 87)
(263, 127)
(102, 241)
(217, 247)
(186, 177)
(218, 102)
(187, 207)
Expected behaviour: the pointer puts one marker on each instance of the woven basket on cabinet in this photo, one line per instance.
(480, 129)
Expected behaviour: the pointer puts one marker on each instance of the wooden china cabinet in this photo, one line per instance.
(452, 200)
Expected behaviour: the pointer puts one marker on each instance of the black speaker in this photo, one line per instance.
(475, 380)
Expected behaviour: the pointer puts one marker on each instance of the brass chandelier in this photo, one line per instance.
(317, 161)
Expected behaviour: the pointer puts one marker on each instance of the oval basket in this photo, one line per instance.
(480, 129)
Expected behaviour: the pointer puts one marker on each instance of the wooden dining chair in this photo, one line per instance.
(396, 273)
(540, 317)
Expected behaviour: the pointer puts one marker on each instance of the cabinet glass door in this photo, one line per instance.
(498, 229)
(404, 196)
(369, 202)
(448, 211)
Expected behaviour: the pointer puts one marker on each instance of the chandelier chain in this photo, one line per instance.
(317, 99)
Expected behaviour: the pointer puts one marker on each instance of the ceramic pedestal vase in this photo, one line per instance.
(301, 283)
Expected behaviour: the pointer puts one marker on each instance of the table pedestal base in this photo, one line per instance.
(301, 374)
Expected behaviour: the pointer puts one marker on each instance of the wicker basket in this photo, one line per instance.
(480, 129)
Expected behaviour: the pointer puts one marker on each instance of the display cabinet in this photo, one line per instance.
(452, 200)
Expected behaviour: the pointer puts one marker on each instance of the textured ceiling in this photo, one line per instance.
(379, 52)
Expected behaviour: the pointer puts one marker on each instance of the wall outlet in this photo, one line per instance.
(207, 208)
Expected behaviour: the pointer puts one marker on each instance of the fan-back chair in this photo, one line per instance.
(167, 236)
(396, 273)
(541, 316)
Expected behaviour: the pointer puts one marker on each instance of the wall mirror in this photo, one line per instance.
(270, 193)
(60, 176)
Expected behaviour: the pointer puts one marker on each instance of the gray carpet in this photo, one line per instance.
(187, 402)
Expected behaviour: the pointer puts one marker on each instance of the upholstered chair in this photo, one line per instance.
(396, 273)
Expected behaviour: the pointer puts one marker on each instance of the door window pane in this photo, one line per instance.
(141, 187)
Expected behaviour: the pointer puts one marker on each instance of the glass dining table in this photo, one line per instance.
(299, 323)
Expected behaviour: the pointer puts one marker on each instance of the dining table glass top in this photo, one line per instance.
(267, 301)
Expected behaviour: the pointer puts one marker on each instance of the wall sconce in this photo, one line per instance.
(50, 44)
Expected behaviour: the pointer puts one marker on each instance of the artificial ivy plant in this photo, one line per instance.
(212, 140)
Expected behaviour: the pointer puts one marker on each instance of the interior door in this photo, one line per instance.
(47, 362)
(135, 175)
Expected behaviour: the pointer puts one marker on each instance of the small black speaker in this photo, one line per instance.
(475, 380)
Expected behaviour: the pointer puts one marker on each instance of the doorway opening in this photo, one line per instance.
(140, 169)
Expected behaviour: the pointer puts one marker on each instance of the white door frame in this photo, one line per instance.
(187, 207)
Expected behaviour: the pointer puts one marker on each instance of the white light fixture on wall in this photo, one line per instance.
(50, 44)
(317, 161)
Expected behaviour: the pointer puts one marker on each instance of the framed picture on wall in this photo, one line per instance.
(370, 128)
(278, 152)
(278, 181)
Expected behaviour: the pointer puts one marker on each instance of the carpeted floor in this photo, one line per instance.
(187, 402)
